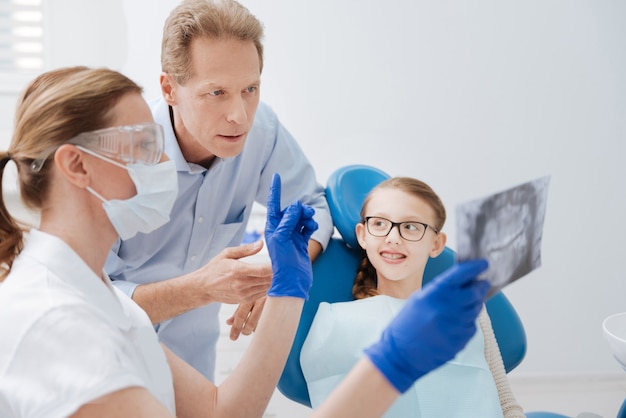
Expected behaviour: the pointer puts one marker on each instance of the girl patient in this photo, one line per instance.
(401, 223)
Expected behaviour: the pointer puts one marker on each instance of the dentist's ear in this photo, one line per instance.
(168, 88)
(73, 165)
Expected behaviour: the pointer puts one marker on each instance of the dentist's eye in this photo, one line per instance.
(216, 93)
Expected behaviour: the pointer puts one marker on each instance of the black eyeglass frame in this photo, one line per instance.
(399, 225)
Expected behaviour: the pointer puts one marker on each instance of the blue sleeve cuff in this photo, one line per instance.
(326, 227)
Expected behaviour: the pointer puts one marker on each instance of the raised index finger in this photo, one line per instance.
(273, 200)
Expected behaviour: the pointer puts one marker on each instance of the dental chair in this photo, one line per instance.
(334, 270)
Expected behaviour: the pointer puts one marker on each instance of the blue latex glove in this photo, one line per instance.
(435, 324)
(287, 236)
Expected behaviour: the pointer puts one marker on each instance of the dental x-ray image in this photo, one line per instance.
(505, 228)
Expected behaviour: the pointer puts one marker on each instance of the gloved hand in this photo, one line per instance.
(287, 236)
(434, 324)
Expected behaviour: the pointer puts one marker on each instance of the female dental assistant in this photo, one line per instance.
(90, 158)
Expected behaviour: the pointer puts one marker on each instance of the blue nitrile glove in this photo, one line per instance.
(433, 325)
(287, 236)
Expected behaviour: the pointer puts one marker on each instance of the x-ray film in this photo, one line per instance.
(505, 228)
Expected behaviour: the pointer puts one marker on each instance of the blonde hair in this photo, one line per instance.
(218, 19)
(55, 107)
(365, 282)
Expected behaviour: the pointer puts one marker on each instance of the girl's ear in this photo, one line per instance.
(72, 165)
(438, 245)
(360, 234)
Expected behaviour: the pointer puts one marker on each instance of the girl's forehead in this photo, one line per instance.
(398, 203)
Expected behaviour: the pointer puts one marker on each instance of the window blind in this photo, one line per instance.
(21, 36)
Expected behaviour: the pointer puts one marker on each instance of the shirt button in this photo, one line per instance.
(193, 258)
(200, 220)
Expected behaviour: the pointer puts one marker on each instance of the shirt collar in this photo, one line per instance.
(161, 111)
(63, 262)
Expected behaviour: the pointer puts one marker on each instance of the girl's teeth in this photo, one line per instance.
(392, 256)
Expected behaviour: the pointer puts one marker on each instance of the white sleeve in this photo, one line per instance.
(68, 357)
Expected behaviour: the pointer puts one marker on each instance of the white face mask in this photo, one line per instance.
(149, 209)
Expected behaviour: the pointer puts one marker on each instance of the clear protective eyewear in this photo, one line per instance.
(142, 143)
(410, 231)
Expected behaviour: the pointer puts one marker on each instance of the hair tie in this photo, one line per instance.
(5, 160)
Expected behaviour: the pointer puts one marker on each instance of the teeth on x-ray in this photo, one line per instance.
(506, 229)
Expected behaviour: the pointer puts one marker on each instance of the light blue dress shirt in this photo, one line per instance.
(210, 214)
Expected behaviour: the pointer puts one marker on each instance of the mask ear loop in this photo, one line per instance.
(102, 157)
(98, 195)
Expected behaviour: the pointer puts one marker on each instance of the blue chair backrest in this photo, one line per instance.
(346, 190)
(335, 268)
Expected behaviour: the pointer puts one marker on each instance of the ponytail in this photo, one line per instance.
(11, 232)
(365, 283)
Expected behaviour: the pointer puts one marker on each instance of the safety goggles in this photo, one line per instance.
(130, 144)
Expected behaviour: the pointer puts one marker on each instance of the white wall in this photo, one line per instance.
(472, 97)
